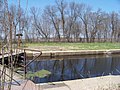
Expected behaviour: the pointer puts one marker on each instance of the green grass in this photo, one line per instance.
(77, 46)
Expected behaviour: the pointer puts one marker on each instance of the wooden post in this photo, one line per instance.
(25, 69)
(19, 39)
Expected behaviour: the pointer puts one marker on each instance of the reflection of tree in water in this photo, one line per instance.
(77, 68)
(72, 65)
(101, 65)
(87, 67)
(66, 69)
(71, 70)
(57, 68)
(62, 71)
(115, 65)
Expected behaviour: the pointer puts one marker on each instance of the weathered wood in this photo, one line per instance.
(13, 54)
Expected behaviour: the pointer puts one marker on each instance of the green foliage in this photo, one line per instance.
(41, 74)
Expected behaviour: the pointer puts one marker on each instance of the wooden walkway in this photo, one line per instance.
(13, 54)
(16, 76)
(23, 84)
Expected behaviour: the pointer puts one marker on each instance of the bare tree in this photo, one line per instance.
(114, 23)
(72, 22)
(95, 23)
(61, 7)
(51, 12)
(83, 12)
(40, 24)
(62, 21)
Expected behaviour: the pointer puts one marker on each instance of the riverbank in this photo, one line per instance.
(52, 49)
(74, 52)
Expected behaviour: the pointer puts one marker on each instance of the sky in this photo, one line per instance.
(105, 5)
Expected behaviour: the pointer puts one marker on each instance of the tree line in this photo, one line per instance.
(63, 21)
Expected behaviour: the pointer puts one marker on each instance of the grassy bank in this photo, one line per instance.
(74, 46)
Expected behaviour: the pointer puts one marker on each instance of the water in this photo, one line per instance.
(76, 68)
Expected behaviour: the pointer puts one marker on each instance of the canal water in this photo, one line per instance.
(76, 68)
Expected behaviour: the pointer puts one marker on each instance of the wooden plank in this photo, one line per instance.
(16, 75)
(7, 55)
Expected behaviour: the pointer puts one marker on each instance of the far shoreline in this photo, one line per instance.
(74, 52)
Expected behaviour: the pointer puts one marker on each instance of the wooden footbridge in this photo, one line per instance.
(19, 56)
(19, 59)
(13, 57)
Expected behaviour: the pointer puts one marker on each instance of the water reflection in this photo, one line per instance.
(69, 69)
